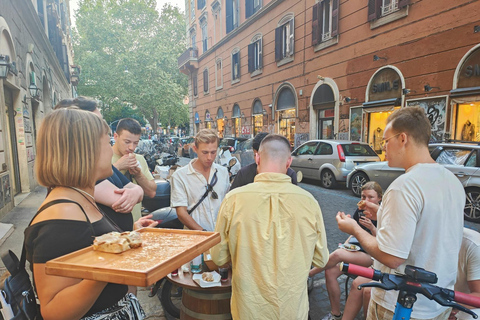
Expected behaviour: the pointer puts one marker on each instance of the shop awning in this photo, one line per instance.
(236, 111)
(381, 103)
(473, 91)
(257, 108)
(220, 114)
(286, 99)
(323, 97)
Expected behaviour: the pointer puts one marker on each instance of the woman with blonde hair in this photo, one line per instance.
(73, 152)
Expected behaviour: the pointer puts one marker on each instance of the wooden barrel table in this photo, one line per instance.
(203, 303)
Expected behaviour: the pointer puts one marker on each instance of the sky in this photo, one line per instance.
(160, 3)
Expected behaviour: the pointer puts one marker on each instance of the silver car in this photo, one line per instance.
(330, 161)
(462, 159)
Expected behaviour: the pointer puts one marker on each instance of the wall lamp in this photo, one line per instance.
(427, 88)
(376, 58)
(321, 78)
(264, 112)
(406, 91)
(348, 99)
(4, 66)
(34, 91)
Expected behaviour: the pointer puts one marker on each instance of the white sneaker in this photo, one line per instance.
(330, 316)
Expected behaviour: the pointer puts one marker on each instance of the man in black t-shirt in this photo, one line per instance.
(247, 174)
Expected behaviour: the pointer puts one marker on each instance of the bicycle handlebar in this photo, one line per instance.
(411, 284)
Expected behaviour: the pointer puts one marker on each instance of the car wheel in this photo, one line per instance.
(472, 205)
(327, 179)
(357, 182)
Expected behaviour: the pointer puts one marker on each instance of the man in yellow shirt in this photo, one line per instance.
(132, 165)
(272, 231)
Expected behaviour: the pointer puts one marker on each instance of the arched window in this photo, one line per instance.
(257, 116)
(237, 120)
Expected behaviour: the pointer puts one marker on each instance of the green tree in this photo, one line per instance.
(128, 54)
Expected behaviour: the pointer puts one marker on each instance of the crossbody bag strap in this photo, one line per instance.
(23, 259)
(200, 201)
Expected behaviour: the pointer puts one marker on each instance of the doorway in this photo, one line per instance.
(13, 138)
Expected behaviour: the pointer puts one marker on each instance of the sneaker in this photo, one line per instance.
(330, 316)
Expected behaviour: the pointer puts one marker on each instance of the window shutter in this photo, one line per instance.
(260, 60)
(315, 29)
(248, 8)
(195, 89)
(251, 57)
(372, 10)
(335, 7)
(292, 36)
(229, 15)
(403, 3)
(278, 44)
(205, 80)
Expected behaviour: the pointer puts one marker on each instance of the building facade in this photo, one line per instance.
(35, 73)
(330, 69)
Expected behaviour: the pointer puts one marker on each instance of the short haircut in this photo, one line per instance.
(68, 147)
(281, 146)
(206, 136)
(414, 122)
(258, 139)
(65, 103)
(83, 103)
(129, 124)
(373, 185)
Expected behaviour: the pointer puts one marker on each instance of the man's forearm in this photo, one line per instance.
(186, 219)
(138, 189)
(149, 186)
(370, 245)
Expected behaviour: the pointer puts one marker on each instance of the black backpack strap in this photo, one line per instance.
(11, 262)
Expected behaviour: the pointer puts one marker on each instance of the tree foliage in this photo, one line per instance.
(128, 55)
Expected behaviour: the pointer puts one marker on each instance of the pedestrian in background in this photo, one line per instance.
(272, 231)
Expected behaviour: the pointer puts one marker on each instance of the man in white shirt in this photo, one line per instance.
(191, 183)
(420, 220)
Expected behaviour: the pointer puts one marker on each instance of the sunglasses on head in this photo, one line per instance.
(212, 183)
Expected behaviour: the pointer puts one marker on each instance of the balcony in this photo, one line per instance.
(188, 62)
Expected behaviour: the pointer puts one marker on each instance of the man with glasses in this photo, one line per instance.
(420, 219)
(272, 231)
(199, 188)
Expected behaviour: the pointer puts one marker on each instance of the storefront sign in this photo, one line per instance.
(246, 130)
(436, 110)
(386, 84)
(469, 75)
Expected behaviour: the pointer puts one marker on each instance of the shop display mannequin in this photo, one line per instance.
(468, 131)
(377, 138)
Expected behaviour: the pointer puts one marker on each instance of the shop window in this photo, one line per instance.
(284, 40)
(236, 65)
(255, 56)
(467, 122)
(287, 125)
(231, 13)
(252, 6)
(218, 75)
(381, 12)
(324, 21)
(205, 81)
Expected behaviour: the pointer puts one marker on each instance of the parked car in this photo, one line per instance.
(231, 143)
(330, 161)
(244, 153)
(463, 159)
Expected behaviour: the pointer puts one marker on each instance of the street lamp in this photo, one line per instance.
(33, 90)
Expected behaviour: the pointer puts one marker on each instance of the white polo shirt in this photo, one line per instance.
(188, 187)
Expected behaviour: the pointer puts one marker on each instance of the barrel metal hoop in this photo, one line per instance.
(208, 296)
(201, 316)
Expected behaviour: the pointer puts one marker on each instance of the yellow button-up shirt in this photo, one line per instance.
(272, 231)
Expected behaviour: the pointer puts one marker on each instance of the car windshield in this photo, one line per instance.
(227, 142)
(358, 150)
(453, 156)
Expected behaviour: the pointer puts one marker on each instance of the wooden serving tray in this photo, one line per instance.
(162, 251)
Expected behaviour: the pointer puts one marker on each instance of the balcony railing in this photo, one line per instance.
(188, 60)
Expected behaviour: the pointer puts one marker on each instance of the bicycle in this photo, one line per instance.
(415, 281)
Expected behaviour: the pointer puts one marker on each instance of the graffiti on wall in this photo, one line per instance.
(300, 138)
(436, 110)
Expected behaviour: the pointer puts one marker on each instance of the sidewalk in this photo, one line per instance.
(20, 217)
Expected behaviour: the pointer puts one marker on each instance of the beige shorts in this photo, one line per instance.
(377, 312)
